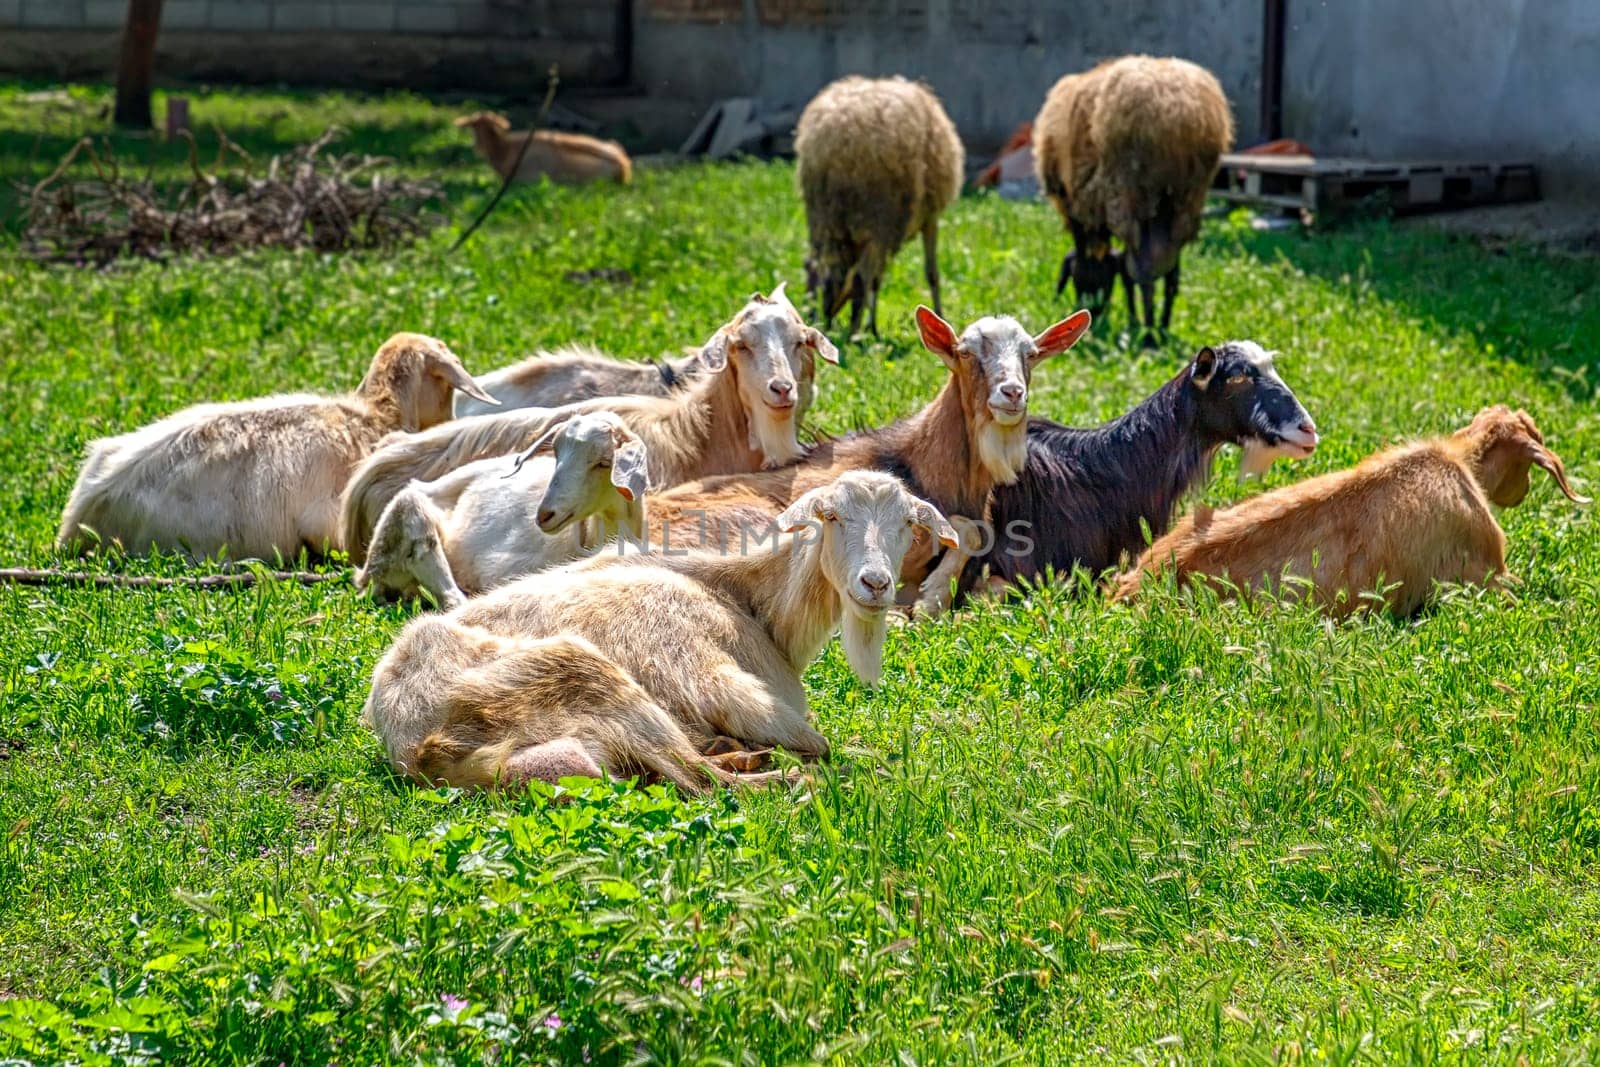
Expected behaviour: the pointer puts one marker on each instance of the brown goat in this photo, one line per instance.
(1403, 520)
(971, 437)
(565, 157)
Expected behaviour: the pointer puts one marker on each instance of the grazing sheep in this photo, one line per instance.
(878, 160)
(259, 478)
(970, 438)
(484, 524)
(578, 372)
(637, 664)
(1128, 150)
(738, 416)
(1402, 520)
(1086, 497)
(564, 157)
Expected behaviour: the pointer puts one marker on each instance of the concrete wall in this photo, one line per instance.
(991, 61)
(1453, 79)
(496, 45)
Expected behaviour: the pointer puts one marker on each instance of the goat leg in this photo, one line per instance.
(872, 307)
(934, 594)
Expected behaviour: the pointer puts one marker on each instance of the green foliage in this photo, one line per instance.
(1058, 831)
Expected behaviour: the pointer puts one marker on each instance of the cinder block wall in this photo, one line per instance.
(496, 45)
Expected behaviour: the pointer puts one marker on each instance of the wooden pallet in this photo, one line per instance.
(1315, 184)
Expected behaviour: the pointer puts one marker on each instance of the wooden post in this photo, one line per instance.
(1274, 18)
(137, 64)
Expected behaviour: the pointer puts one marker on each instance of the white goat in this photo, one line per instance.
(739, 415)
(484, 524)
(640, 663)
(581, 372)
(259, 478)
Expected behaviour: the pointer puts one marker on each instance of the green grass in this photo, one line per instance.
(1059, 831)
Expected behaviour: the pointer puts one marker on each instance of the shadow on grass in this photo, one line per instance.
(1530, 305)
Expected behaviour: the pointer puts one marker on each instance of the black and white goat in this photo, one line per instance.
(1086, 496)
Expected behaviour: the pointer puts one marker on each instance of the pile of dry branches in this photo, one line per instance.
(304, 199)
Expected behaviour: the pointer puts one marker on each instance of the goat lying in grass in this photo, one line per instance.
(259, 478)
(484, 524)
(968, 439)
(1402, 520)
(578, 372)
(740, 415)
(1085, 497)
(637, 664)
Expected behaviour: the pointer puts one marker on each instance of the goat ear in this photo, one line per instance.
(937, 335)
(1551, 462)
(802, 512)
(927, 516)
(448, 367)
(714, 353)
(629, 473)
(1204, 366)
(1062, 336)
(825, 348)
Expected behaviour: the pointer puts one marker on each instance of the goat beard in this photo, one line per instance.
(1258, 456)
(862, 638)
(774, 438)
(1004, 450)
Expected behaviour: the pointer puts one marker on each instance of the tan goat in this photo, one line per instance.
(564, 157)
(1402, 520)
(739, 415)
(259, 478)
(639, 664)
(968, 439)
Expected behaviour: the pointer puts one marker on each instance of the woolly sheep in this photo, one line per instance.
(257, 478)
(491, 521)
(878, 161)
(1128, 150)
(639, 664)
(1404, 519)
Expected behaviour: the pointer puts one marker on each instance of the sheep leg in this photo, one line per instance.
(1147, 301)
(1169, 293)
(930, 262)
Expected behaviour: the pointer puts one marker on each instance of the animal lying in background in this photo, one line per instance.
(257, 478)
(1402, 520)
(877, 161)
(638, 664)
(482, 525)
(574, 373)
(970, 438)
(739, 415)
(1128, 150)
(563, 157)
(1085, 497)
